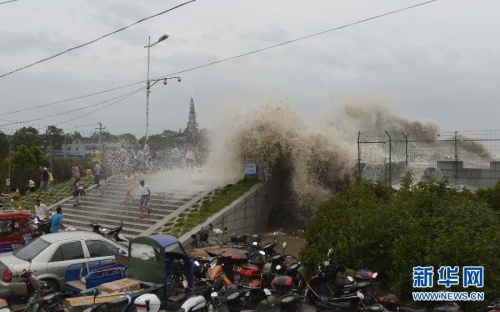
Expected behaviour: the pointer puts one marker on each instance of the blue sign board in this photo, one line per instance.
(250, 168)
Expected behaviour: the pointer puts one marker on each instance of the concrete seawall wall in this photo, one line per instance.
(248, 214)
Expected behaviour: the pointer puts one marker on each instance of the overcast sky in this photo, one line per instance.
(437, 62)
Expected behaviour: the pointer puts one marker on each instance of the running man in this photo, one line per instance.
(145, 196)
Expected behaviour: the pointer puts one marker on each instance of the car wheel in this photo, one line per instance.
(52, 286)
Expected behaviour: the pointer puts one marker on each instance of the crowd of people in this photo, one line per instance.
(128, 161)
(122, 161)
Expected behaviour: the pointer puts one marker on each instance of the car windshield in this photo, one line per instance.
(30, 251)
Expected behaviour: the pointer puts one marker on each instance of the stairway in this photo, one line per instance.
(108, 208)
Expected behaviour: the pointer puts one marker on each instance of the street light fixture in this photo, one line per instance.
(149, 84)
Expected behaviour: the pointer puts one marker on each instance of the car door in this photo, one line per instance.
(66, 254)
(99, 249)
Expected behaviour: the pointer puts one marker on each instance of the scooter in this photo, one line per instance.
(114, 232)
(40, 227)
(392, 303)
(41, 296)
(345, 288)
(492, 307)
(326, 304)
(201, 238)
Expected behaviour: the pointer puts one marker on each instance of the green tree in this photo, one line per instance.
(25, 165)
(26, 136)
(53, 139)
(127, 140)
(4, 146)
(423, 224)
(191, 130)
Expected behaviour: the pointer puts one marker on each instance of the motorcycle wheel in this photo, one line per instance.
(311, 297)
(301, 286)
(210, 307)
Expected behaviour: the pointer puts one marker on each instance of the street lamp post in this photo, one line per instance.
(9, 137)
(148, 86)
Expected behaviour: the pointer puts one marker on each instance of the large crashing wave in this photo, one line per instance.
(317, 160)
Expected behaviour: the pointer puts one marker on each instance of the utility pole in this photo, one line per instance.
(100, 136)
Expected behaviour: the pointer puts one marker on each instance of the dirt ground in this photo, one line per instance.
(293, 244)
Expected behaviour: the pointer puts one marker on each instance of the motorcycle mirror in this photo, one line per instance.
(375, 275)
(360, 295)
(350, 279)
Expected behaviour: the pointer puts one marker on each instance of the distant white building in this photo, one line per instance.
(83, 147)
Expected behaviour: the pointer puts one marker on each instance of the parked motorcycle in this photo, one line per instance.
(392, 303)
(494, 306)
(40, 294)
(345, 288)
(214, 272)
(40, 227)
(359, 303)
(202, 238)
(114, 232)
(243, 299)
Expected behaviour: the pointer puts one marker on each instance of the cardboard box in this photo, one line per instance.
(89, 300)
(121, 285)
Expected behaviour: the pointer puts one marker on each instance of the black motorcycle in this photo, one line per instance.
(345, 288)
(114, 232)
(40, 227)
(42, 298)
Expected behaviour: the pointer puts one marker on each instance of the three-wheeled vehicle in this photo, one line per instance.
(14, 229)
(162, 267)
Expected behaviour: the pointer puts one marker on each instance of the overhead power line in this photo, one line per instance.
(7, 1)
(111, 104)
(225, 59)
(120, 97)
(85, 44)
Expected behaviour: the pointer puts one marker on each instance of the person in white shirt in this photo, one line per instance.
(176, 157)
(190, 156)
(41, 210)
(31, 185)
(145, 196)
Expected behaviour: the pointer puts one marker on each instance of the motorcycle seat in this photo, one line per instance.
(362, 284)
(343, 282)
(237, 238)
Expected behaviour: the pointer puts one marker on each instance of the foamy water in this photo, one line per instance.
(316, 159)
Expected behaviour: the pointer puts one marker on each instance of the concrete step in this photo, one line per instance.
(119, 204)
(133, 228)
(106, 213)
(109, 209)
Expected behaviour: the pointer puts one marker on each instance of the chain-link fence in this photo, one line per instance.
(464, 157)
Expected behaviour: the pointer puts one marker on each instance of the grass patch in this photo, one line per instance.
(60, 191)
(212, 203)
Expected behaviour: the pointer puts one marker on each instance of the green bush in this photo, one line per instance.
(428, 223)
